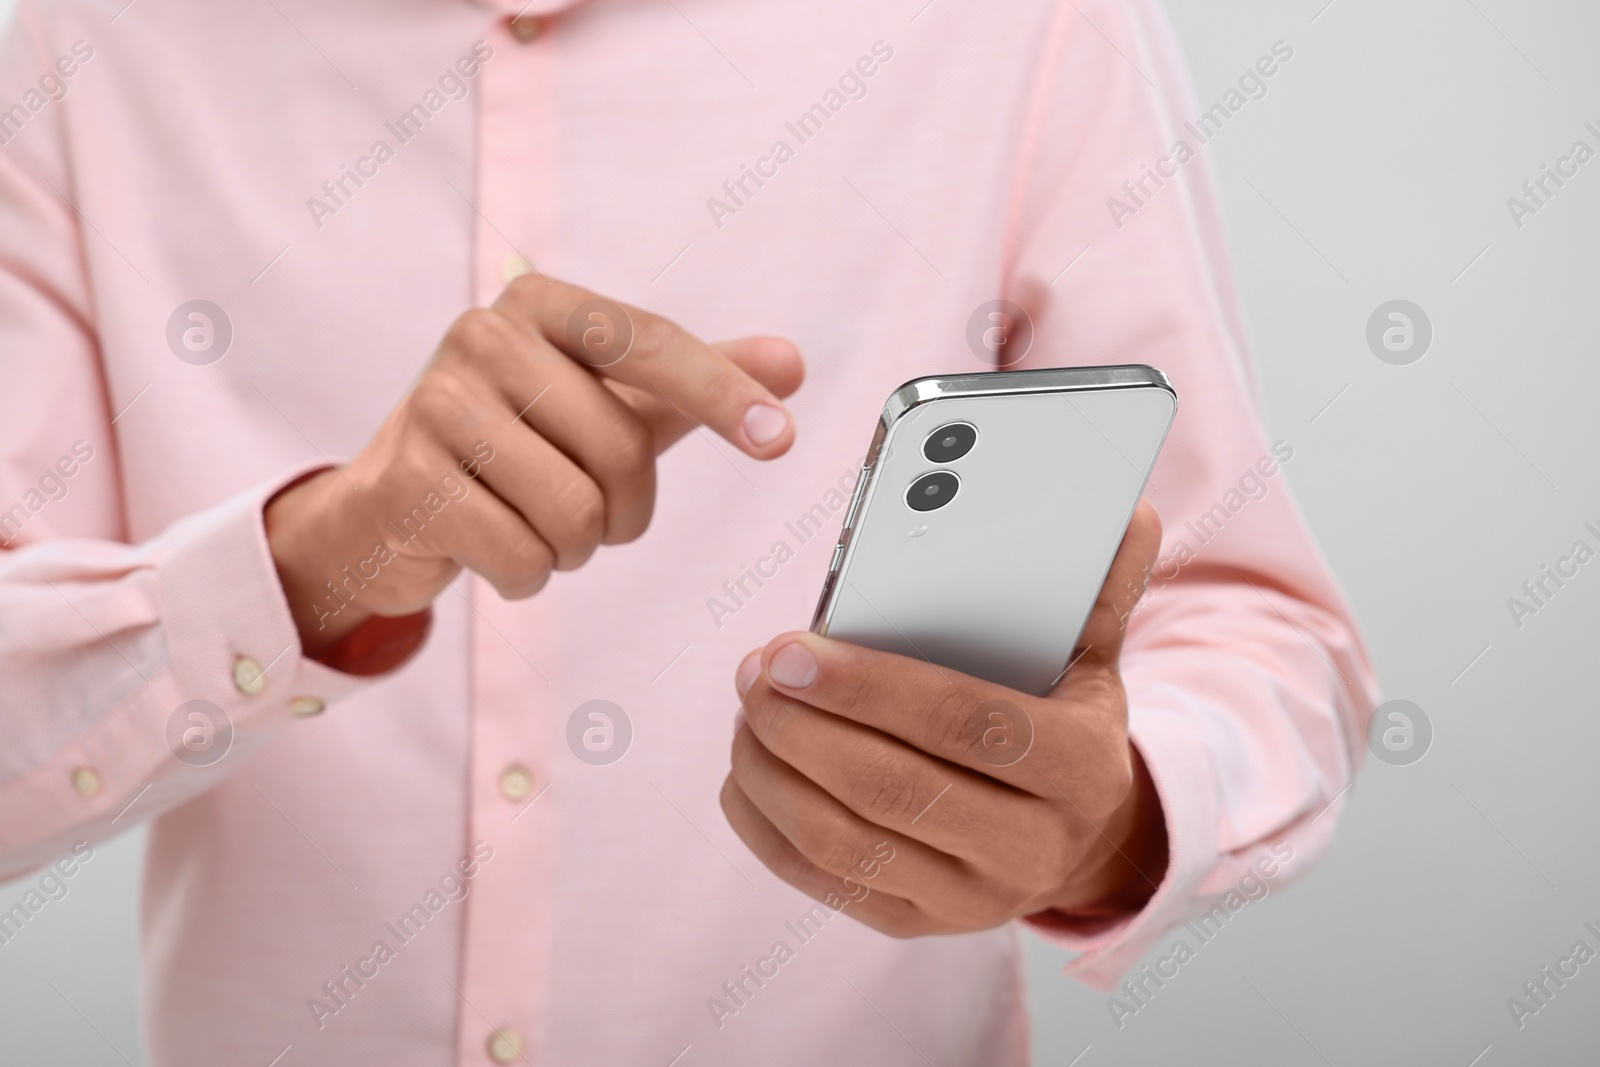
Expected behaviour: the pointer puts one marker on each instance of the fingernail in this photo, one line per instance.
(748, 672)
(794, 667)
(738, 721)
(764, 424)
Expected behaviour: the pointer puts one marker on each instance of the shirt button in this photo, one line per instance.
(86, 780)
(513, 267)
(505, 1046)
(305, 707)
(515, 782)
(525, 28)
(248, 677)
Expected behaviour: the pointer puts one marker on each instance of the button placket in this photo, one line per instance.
(507, 915)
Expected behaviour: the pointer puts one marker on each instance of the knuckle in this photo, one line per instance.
(797, 869)
(858, 685)
(583, 508)
(954, 720)
(408, 471)
(527, 289)
(653, 335)
(831, 845)
(476, 333)
(628, 473)
(725, 796)
(763, 710)
(632, 526)
(742, 757)
(633, 447)
(877, 791)
(529, 569)
(440, 400)
(517, 589)
(771, 714)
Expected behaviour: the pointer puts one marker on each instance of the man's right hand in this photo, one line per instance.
(529, 439)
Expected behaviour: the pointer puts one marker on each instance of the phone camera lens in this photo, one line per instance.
(932, 491)
(949, 443)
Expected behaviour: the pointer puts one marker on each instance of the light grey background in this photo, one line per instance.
(1377, 167)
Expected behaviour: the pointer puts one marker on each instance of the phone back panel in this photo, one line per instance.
(998, 582)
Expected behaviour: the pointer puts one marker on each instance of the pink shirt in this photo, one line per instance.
(342, 180)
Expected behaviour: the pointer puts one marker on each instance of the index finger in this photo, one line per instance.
(653, 354)
(1004, 734)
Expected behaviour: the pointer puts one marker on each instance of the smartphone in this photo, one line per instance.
(987, 514)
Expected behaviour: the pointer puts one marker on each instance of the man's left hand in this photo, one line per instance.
(961, 803)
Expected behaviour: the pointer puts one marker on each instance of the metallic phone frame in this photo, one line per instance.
(922, 391)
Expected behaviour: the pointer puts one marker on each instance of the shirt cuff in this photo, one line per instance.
(233, 676)
(227, 624)
(1184, 775)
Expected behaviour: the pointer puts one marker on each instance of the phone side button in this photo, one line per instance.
(819, 617)
(838, 555)
(856, 497)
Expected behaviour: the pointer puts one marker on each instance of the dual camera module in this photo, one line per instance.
(947, 444)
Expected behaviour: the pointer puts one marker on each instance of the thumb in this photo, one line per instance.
(1100, 644)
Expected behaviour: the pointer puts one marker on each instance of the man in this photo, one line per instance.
(331, 331)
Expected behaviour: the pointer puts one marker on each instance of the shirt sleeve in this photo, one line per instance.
(1248, 684)
(105, 644)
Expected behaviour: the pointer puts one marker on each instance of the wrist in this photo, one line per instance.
(302, 528)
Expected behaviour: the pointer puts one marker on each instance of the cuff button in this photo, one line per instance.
(86, 781)
(305, 707)
(526, 28)
(248, 677)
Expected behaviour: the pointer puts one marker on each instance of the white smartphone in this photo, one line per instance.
(987, 515)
